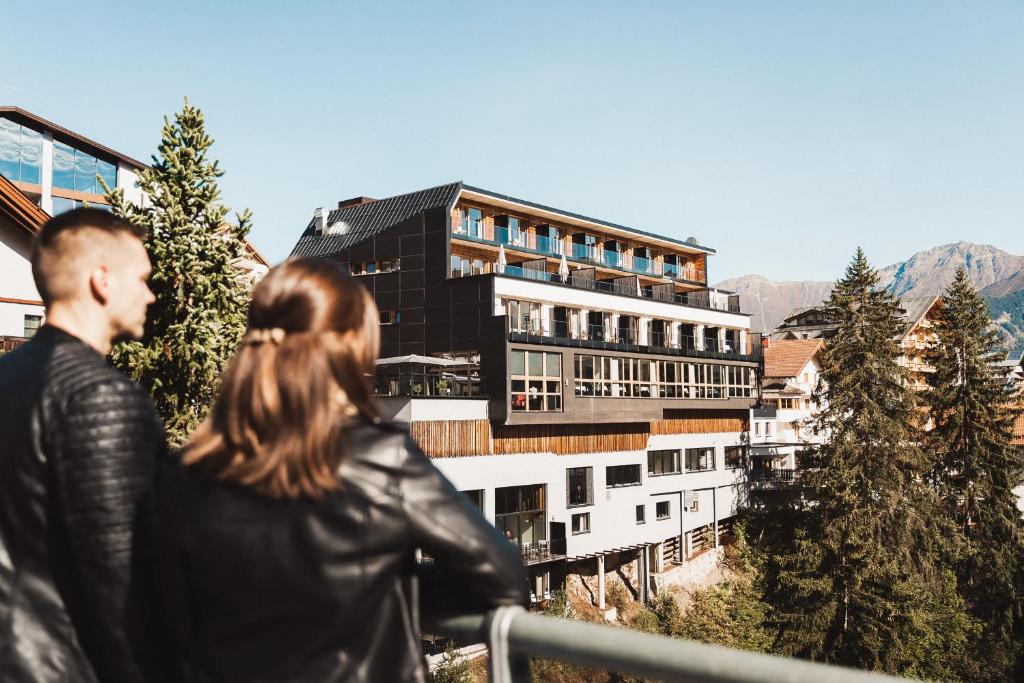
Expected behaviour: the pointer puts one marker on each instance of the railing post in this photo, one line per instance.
(503, 666)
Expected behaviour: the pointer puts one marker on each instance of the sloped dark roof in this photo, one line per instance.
(353, 224)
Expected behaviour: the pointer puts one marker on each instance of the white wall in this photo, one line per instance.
(613, 514)
(516, 288)
(16, 280)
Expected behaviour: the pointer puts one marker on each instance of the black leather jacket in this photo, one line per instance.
(78, 444)
(304, 590)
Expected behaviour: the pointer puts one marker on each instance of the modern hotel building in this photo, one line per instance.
(576, 378)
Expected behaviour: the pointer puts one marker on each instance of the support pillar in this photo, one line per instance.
(714, 511)
(645, 568)
(600, 582)
(698, 337)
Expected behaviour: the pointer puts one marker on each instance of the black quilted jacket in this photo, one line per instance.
(326, 590)
(78, 444)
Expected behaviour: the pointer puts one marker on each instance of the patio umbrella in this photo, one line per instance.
(501, 259)
(563, 269)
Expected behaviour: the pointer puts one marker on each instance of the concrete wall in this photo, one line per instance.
(613, 512)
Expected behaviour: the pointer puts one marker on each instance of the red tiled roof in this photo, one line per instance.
(22, 211)
(787, 357)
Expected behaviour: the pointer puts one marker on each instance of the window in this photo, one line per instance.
(474, 222)
(734, 456)
(60, 205)
(700, 459)
(640, 378)
(73, 169)
(579, 486)
(21, 150)
(32, 324)
(374, 267)
(477, 496)
(757, 428)
(535, 381)
(390, 317)
(641, 514)
(663, 462)
(581, 524)
(622, 475)
(520, 513)
(663, 509)
(524, 316)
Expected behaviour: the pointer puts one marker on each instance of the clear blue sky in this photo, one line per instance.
(782, 134)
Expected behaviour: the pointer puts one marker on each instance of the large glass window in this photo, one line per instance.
(73, 169)
(520, 513)
(734, 456)
(581, 523)
(579, 485)
(700, 459)
(622, 475)
(664, 462)
(663, 509)
(474, 222)
(535, 381)
(21, 152)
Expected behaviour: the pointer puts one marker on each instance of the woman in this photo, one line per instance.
(288, 532)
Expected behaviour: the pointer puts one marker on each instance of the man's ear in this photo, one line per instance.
(99, 284)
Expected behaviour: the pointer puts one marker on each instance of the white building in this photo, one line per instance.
(55, 170)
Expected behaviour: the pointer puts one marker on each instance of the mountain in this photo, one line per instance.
(768, 301)
(997, 274)
(929, 272)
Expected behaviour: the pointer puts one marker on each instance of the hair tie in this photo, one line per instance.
(272, 335)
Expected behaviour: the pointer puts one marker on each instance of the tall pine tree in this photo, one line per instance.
(201, 297)
(975, 468)
(858, 581)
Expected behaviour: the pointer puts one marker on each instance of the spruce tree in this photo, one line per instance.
(858, 579)
(975, 468)
(201, 297)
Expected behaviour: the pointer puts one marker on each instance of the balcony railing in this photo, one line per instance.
(428, 385)
(543, 551)
(561, 333)
(772, 478)
(708, 299)
(513, 635)
(587, 253)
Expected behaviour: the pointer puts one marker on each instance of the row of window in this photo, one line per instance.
(608, 376)
(21, 153)
(580, 480)
(662, 510)
(374, 267)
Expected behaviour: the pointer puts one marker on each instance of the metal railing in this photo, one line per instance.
(513, 635)
(428, 385)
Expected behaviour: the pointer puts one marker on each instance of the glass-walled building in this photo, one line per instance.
(58, 169)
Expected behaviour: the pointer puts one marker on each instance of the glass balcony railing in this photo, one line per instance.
(512, 237)
(548, 245)
(612, 258)
(585, 252)
(644, 265)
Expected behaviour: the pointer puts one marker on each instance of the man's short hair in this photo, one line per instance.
(60, 247)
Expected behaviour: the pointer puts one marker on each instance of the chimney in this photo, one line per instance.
(355, 201)
(319, 220)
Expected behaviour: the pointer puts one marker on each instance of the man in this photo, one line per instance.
(78, 447)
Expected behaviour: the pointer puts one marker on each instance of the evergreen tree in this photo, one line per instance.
(201, 297)
(975, 468)
(858, 579)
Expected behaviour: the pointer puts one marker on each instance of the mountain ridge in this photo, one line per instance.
(997, 274)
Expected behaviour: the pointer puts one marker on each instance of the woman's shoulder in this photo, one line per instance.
(379, 442)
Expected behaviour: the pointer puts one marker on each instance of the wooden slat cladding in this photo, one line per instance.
(570, 439)
(452, 438)
(702, 422)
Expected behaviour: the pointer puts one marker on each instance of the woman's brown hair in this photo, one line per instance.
(302, 374)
